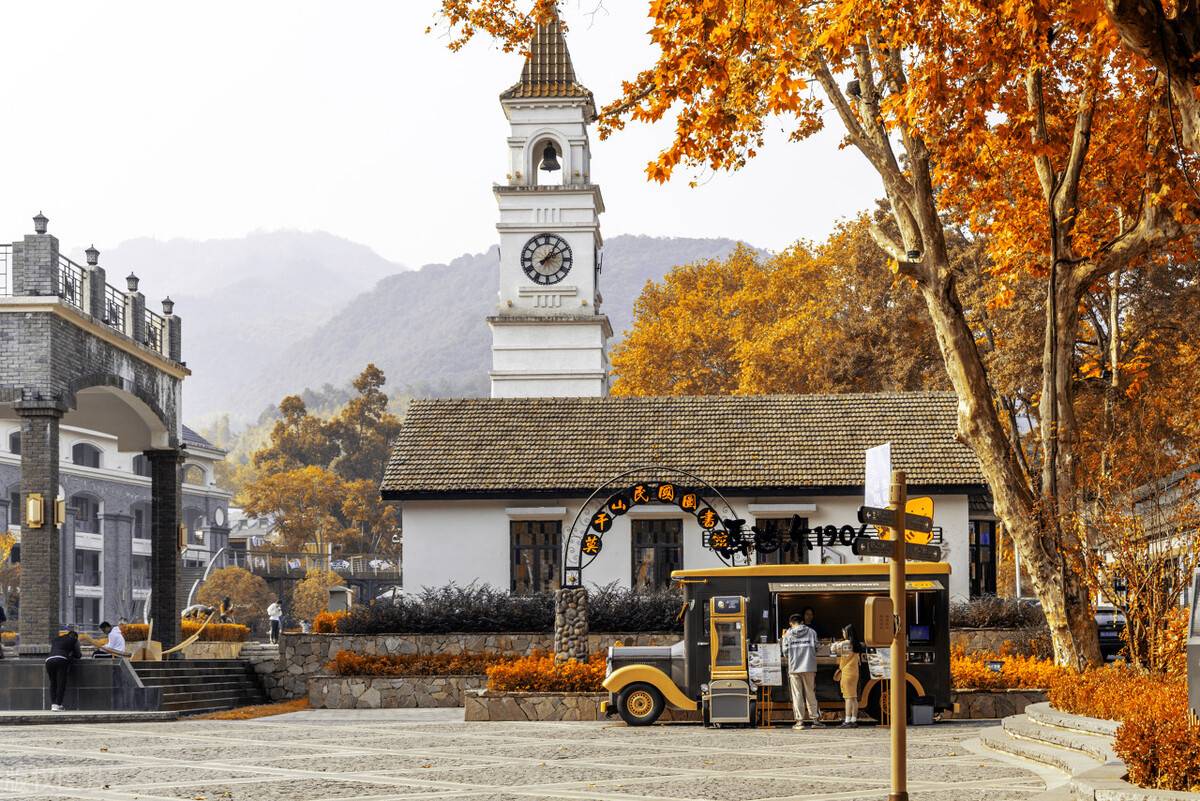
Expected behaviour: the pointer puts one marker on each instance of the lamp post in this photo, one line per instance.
(898, 698)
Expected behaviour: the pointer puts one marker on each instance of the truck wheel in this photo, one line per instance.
(640, 704)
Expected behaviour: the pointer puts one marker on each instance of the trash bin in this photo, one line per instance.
(921, 711)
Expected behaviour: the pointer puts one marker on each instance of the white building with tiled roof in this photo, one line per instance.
(501, 491)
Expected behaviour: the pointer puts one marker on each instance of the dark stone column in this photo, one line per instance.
(570, 624)
(164, 542)
(66, 546)
(40, 557)
(35, 266)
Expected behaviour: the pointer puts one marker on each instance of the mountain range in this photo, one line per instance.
(272, 314)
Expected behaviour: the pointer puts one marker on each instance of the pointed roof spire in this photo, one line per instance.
(548, 71)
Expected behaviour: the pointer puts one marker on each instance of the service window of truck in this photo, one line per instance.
(727, 668)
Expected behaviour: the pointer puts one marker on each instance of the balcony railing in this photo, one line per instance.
(114, 308)
(297, 564)
(156, 328)
(72, 283)
(6, 281)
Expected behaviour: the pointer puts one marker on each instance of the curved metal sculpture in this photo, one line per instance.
(722, 534)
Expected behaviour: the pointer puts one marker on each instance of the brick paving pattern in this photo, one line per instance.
(432, 754)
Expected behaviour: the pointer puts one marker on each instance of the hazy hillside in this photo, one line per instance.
(275, 313)
(427, 330)
(245, 301)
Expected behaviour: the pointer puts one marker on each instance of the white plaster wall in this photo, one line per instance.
(468, 541)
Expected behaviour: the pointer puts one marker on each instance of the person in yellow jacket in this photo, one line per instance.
(849, 651)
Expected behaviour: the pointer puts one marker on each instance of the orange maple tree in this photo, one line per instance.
(1028, 123)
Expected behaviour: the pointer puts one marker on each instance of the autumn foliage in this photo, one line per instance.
(213, 632)
(326, 622)
(972, 672)
(353, 663)
(539, 673)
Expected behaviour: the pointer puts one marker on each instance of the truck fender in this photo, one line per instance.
(623, 677)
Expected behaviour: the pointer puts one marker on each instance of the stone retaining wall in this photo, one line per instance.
(976, 704)
(487, 705)
(1020, 641)
(302, 656)
(390, 692)
(267, 666)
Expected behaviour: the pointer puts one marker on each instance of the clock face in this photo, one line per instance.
(546, 259)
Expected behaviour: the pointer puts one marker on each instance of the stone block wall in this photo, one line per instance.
(1020, 641)
(390, 692)
(986, 704)
(302, 656)
(266, 662)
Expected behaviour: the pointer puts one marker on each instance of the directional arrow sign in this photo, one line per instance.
(865, 546)
(886, 518)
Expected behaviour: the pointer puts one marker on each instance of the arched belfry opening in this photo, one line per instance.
(549, 167)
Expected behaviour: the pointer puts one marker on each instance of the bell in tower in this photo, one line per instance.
(550, 159)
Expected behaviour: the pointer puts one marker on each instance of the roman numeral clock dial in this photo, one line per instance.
(546, 259)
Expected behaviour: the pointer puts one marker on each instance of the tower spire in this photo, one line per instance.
(548, 71)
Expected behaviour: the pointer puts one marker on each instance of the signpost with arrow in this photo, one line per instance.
(915, 519)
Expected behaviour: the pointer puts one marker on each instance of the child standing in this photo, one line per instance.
(849, 652)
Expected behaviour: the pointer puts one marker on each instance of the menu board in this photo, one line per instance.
(879, 662)
(766, 664)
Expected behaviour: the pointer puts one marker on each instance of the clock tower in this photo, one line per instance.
(549, 338)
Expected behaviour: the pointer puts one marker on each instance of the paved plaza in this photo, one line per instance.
(432, 754)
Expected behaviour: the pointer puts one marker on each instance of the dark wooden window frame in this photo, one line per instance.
(547, 540)
(662, 549)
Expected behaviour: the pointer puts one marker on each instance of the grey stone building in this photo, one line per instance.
(105, 541)
(78, 354)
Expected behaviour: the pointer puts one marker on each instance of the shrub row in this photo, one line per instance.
(1158, 742)
(327, 622)
(213, 632)
(484, 609)
(352, 663)
(539, 673)
(992, 612)
(973, 672)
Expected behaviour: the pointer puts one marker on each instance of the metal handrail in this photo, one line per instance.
(156, 327)
(297, 564)
(114, 308)
(72, 283)
(6, 281)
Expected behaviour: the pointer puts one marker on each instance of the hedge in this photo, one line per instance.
(484, 609)
(992, 612)
(353, 663)
(213, 632)
(974, 671)
(540, 673)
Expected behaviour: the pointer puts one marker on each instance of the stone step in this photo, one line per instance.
(1069, 762)
(1048, 716)
(1090, 745)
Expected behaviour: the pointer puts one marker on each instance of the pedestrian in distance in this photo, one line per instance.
(64, 649)
(849, 651)
(275, 614)
(800, 647)
(3, 620)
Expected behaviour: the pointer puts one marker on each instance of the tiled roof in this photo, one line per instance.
(493, 447)
(190, 437)
(548, 71)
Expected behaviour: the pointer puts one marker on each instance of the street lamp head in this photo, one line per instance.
(40, 222)
(168, 305)
(131, 281)
(93, 256)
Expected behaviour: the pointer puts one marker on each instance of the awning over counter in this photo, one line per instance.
(810, 587)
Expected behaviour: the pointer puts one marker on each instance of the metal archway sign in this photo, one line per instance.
(595, 518)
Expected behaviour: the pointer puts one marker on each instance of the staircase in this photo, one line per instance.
(196, 686)
(1078, 747)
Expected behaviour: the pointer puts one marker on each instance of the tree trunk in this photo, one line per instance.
(1170, 44)
(1064, 600)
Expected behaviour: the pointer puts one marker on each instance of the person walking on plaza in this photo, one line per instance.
(800, 647)
(64, 649)
(275, 613)
(849, 651)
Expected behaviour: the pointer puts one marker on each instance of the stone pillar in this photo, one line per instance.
(135, 310)
(570, 624)
(97, 301)
(164, 543)
(118, 566)
(66, 546)
(35, 265)
(174, 337)
(40, 557)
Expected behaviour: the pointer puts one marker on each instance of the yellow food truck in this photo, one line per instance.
(729, 658)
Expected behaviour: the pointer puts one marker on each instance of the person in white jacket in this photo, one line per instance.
(275, 613)
(800, 648)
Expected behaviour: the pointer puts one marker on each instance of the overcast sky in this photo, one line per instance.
(211, 119)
